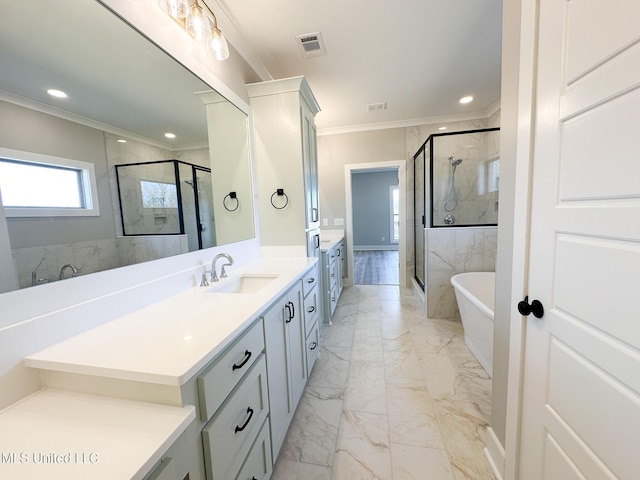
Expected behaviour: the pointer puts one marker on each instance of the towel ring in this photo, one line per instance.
(232, 196)
(280, 193)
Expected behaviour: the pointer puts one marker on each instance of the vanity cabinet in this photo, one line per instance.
(286, 365)
(283, 114)
(332, 276)
(233, 405)
(312, 307)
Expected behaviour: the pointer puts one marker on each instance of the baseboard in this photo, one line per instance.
(374, 247)
(494, 452)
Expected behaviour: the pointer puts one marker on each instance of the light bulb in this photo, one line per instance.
(198, 24)
(218, 44)
(174, 8)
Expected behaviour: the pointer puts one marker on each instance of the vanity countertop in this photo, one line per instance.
(330, 239)
(63, 435)
(168, 342)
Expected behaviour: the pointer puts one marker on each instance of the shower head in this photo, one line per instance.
(455, 162)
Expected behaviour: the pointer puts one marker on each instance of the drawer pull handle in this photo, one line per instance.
(289, 314)
(247, 356)
(311, 280)
(311, 309)
(314, 345)
(246, 422)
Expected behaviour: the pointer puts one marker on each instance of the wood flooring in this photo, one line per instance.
(376, 267)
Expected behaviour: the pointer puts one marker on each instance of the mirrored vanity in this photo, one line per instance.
(125, 98)
(129, 348)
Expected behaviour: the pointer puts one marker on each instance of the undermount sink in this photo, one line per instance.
(244, 283)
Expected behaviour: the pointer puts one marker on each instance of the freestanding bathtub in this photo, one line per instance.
(475, 294)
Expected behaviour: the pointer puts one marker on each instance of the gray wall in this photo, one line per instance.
(372, 208)
(336, 151)
(31, 131)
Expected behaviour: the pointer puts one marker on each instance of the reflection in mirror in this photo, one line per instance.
(124, 95)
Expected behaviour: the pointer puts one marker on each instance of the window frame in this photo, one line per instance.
(393, 215)
(87, 183)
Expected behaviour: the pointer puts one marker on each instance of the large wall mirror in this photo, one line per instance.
(141, 195)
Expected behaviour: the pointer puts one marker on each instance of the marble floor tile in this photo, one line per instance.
(366, 391)
(288, 470)
(463, 431)
(363, 447)
(331, 368)
(418, 430)
(394, 395)
(409, 400)
(313, 433)
(418, 463)
(339, 335)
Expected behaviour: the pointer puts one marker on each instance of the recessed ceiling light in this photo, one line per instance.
(121, 140)
(467, 99)
(442, 128)
(170, 135)
(56, 93)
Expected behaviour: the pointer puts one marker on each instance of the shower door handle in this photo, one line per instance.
(525, 308)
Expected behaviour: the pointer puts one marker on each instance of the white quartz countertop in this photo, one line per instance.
(330, 239)
(61, 435)
(169, 341)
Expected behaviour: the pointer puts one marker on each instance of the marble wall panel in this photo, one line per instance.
(87, 257)
(451, 251)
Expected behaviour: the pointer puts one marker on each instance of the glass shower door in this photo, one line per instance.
(206, 219)
(419, 214)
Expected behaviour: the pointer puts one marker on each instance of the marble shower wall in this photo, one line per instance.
(475, 178)
(92, 256)
(455, 250)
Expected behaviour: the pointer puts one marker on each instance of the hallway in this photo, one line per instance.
(393, 396)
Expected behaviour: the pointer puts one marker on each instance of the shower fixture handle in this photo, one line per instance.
(525, 308)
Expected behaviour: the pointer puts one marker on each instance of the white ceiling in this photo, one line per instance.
(418, 56)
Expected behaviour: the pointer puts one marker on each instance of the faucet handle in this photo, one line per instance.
(203, 280)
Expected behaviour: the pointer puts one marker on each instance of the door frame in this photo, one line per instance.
(402, 189)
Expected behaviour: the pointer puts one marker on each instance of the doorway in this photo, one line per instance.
(376, 223)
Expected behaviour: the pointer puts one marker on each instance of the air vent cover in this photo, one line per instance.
(376, 106)
(311, 45)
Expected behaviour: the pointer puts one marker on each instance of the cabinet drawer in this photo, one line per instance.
(310, 281)
(311, 308)
(313, 347)
(231, 432)
(215, 384)
(258, 463)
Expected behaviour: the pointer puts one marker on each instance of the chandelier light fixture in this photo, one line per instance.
(197, 19)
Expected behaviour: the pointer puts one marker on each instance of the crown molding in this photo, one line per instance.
(493, 108)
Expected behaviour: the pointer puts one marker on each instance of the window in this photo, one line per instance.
(395, 214)
(34, 185)
(158, 194)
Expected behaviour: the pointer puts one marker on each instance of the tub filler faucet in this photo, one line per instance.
(74, 270)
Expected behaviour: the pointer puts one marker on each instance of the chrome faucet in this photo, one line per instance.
(223, 273)
(34, 275)
(74, 270)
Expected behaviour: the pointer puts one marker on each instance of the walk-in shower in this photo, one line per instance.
(167, 197)
(456, 183)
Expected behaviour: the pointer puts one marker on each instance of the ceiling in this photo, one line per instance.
(417, 56)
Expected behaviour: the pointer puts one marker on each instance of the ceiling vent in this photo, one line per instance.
(372, 107)
(311, 45)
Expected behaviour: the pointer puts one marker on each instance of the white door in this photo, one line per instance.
(581, 403)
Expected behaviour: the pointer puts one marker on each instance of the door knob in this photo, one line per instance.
(525, 308)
